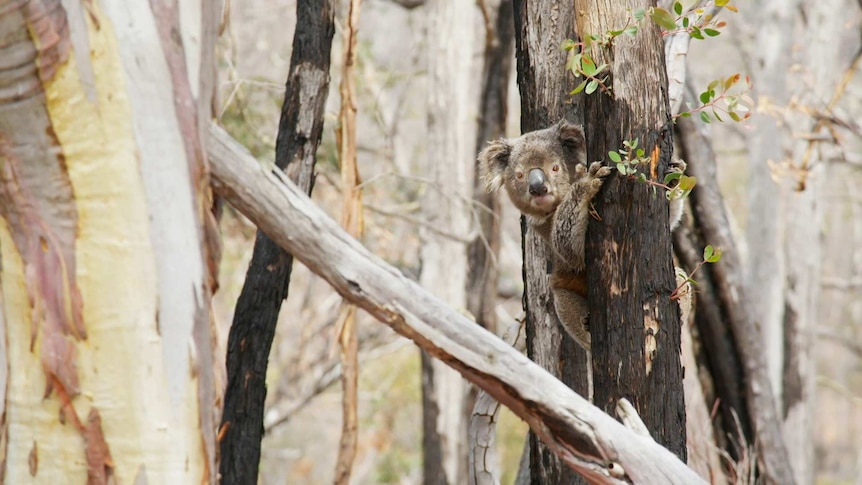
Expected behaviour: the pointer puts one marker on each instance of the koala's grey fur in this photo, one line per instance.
(556, 203)
(561, 214)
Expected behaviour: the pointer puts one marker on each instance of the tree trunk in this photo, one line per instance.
(540, 27)
(266, 282)
(106, 244)
(445, 206)
(634, 324)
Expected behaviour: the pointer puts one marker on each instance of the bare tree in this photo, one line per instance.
(266, 283)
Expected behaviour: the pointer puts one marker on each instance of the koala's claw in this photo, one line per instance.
(600, 170)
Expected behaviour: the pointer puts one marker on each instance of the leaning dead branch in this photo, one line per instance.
(586, 439)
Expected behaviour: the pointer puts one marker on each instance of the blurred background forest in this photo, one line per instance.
(303, 418)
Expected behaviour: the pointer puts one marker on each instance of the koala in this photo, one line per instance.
(546, 176)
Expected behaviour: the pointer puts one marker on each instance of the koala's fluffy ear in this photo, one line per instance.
(493, 162)
(572, 137)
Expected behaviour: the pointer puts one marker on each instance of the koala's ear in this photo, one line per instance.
(493, 162)
(571, 135)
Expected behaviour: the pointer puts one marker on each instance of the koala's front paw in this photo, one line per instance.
(589, 180)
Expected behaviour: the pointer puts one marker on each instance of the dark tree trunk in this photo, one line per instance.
(432, 448)
(266, 283)
(540, 27)
(634, 324)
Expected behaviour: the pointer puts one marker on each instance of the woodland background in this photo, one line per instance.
(133, 354)
(303, 420)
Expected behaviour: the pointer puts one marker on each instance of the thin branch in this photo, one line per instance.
(351, 220)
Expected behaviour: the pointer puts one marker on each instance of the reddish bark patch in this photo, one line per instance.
(100, 465)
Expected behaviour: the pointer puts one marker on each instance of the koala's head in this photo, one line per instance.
(536, 168)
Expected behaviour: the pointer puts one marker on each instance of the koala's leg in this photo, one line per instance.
(677, 205)
(685, 295)
(568, 234)
(574, 314)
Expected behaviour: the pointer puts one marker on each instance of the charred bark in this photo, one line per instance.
(540, 27)
(635, 326)
(268, 276)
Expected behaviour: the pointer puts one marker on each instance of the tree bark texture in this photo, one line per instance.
(634, 324)
(731, 338)
(266, 283)
(582, 435)
(446, 206)
(540, 28)
(102, 176)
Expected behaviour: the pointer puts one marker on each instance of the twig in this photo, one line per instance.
(351, 220)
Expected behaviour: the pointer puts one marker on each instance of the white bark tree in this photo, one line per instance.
(446, 206)
(106, 242)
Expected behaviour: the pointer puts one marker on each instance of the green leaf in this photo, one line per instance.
(687, 183)
(588, 66)
(695, 33)
(631, 31)
(685, 22)
(634, 143)
(622, 168)
(714, 113)
(734, 116)
(704, 116)
(614, 156)
(721, 3)
(704, 97)
(715, 257)
(671, 177)
(663, 18)
(640, 153)
(579, 88)
(685, 114)
(711, 32)
(639, 14)
(708, 252)
(567, 44)
(592, 86)
(677, 7)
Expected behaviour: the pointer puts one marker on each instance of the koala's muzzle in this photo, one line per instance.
(536, 181)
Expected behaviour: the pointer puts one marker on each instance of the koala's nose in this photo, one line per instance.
(537, 182)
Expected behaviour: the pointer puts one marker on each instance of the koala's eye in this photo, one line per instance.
(556, 168)
(519, 175)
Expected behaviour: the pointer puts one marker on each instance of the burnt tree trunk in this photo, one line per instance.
(635, 326)
(268, 276)
(540, 27)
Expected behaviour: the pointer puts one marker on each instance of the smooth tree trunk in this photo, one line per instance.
(448, 169)
(635, 326)
(266, 282)
(106, 239)
(540, 27)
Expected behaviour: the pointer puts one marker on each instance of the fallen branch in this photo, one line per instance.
(585, 438)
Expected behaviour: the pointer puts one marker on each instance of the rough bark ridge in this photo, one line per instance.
(540, 27)
(266, 283)
(634, 324)
(582, 435)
